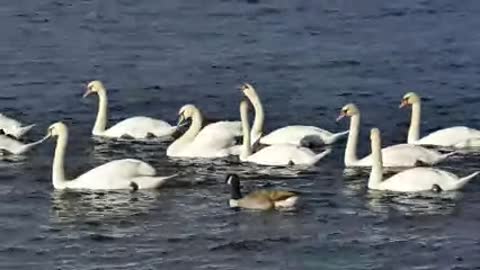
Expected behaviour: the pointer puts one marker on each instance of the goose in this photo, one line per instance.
(399, 155)
(411, 180)
(138, 127)
(129, 174)
(13, 127)
(9, 145)
(260, 199)
(295, 134)
(457, 137)
(274, 155)
(212, 141)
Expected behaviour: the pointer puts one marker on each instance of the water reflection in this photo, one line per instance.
(413, 204)
(83, 207)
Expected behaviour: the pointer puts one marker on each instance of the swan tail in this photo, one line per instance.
(166, 132)
(318, 157)
(447, 155)
(336, 136)
(29, 146)
(19, 132)
(149, 182)
(464, 180)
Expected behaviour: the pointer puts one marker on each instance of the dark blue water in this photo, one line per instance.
(307, 59)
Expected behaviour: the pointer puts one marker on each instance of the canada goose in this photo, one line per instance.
(260, 199)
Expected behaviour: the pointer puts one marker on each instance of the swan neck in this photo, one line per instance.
(246, 150)
(351, 148)
(259, 120)
(193, 130)
(101, 121)
(414, 130)
(376, 173)
(58, 169)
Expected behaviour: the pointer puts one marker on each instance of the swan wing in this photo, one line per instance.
(419, 179)
(404, 155)
(140, 127)
(119, 169)
(294, 135)
(219, 135)
(450, 136)
(11, 145)
(282, 154)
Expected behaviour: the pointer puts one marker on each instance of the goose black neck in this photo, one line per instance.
(235, 190)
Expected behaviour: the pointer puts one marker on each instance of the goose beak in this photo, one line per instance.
(87, 93)
(403, 103)
(340, 117)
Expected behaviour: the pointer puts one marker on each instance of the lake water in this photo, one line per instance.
(307, 59)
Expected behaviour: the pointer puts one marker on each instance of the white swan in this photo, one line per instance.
(289, 134)
(118, 174)
(13, 127)
(213, 141)
(458, 136)
(411, 180)
(274, 155)
(400, 155)
(138, 127)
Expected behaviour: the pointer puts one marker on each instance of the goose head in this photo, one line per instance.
(409, 98)
(56, 129)
(186, 112)
(234, 181)
(348, 110)
(248, 90)
(94, 87)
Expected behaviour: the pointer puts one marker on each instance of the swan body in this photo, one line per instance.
(118, 174)
(274, 155)
(13, 127)
(12, 146)
(285, 135)
(260, 199)
(138, 127)
(400, 155)
(411, 180)
(295, 134)
(212, 141)
(457, 137)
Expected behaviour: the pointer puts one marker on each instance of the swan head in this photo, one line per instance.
(186, 112)
(409, 99)
(348, 110)
(94, 87)
(374, 134)
(248, 90)
(56, 130)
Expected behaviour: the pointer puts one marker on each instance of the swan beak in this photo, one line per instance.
(87, 93)
(340, 117)
(403, 103)
(181, 120)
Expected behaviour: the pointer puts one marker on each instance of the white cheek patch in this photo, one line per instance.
(229, 180)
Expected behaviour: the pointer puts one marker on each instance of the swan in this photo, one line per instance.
(138, 127)
(399, 155)
(260, 199)
(274, 155)
(411, 180)
(130, 174)
(213, 141)
(286, 135)
(458, 136)
(13, 127)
